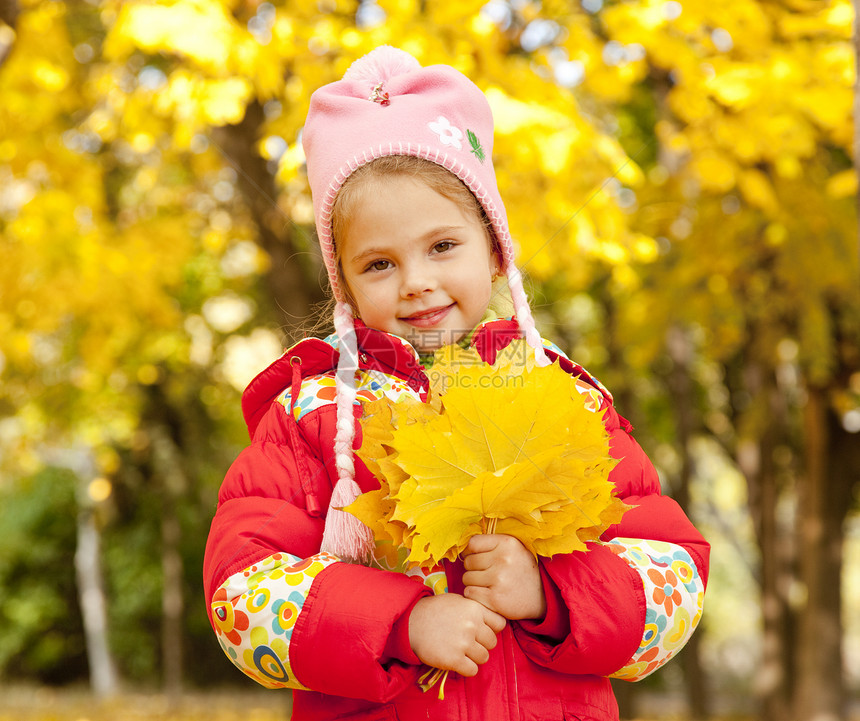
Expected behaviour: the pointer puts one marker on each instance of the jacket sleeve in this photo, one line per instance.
(286, 614)
(631, 602)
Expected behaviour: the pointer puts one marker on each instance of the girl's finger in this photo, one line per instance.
(487, 637)
(494, 620)
(479, 594)
(481, 544)
(477, 578)
(478, 653)
(477, 561)
(465, 666)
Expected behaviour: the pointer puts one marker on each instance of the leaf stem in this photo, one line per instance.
(431, 678)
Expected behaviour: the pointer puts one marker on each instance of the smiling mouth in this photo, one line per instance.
(427, 318)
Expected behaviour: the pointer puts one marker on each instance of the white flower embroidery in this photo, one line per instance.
(448, 134)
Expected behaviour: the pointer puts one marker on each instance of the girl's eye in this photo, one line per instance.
(378, 265)
(443, 245)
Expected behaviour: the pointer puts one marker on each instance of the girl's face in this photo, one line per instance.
(416, 264)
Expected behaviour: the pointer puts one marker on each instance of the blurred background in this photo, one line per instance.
(679, 178)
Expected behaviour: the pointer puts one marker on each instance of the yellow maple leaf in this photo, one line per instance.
(374, 509)
(376, 427)
(446, 362)
(509, 446)
(379, 418)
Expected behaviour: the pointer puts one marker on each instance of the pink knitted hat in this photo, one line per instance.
(387, 104)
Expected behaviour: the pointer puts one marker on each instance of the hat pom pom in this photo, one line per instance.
(381, 64)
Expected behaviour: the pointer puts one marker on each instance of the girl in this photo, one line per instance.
(416, 244)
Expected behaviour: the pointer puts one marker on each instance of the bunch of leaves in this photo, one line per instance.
(507, 448)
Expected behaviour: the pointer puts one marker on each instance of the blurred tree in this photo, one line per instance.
(124, 266)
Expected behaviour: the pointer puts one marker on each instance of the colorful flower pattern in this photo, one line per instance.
(272, 593)
(318, 391)
(593, 398)
(229, 620)
(674, 597)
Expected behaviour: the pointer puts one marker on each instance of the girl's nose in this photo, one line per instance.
(416, 281)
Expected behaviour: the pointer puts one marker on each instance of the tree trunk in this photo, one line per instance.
(103, 676)
(820, 690)
(89, 577)
(172, 482)
(172, 602)
(9, 15)
(294, 274)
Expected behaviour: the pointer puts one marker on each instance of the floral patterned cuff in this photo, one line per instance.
(255, 610)
(674, 597)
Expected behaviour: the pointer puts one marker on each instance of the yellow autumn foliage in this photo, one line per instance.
(628, 135)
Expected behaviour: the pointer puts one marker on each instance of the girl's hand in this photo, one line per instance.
(503, 575)
(453, 633)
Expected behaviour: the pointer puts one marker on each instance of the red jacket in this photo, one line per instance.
(290, 616)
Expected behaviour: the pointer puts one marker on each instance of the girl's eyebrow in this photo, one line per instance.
(432, 233)
(367, 253)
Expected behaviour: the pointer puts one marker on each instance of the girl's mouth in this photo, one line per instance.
(428, 318)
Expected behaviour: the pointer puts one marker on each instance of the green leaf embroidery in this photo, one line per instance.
(476, 145)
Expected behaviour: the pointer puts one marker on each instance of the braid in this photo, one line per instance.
(344, 534)
(347, 364)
